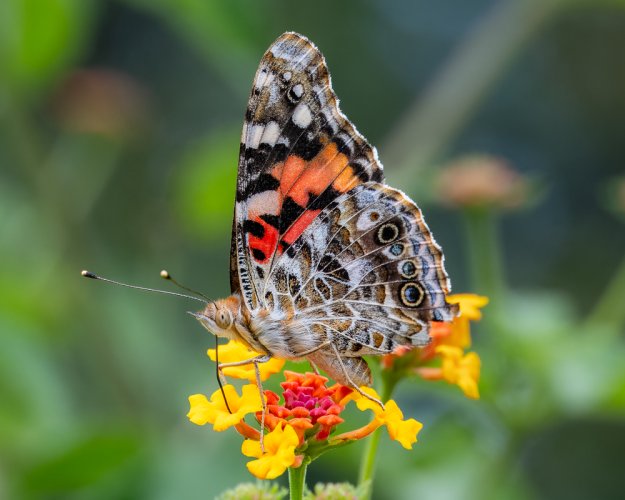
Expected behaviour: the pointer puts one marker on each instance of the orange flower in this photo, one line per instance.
(308, 404)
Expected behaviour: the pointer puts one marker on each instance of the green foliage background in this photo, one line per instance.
(139, 174)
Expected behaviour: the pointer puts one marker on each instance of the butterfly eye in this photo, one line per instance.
(296, 92)
(222, 319)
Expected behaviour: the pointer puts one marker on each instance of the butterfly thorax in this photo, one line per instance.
(263, 330)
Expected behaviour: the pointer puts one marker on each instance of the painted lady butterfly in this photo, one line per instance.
(328, 263)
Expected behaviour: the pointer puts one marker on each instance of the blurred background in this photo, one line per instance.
(119, 131)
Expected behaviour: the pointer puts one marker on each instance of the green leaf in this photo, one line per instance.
(82, 464)
(38, 38)
(205, 186)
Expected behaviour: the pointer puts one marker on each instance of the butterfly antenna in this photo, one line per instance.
(221, 386)
(88, 274)
(166, 276)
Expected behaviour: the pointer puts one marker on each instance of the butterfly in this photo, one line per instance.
(328, 263)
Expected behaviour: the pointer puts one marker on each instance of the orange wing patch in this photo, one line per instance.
(303, 181)
(262, 248)
(346, 180)
(300, 179)
(298, 227)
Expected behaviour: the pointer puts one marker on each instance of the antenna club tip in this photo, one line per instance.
(165, 274)
(87, 274)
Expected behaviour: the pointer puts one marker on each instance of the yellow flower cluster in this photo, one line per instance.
(460, 368)
(284, 446)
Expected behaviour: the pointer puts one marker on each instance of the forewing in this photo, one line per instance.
(366, 274)
(298, 154)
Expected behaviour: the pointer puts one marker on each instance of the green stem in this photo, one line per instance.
(297, 481)
(367, 466)
(609, 309)
(485, 265)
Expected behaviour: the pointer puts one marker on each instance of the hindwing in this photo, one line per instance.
(366, 274)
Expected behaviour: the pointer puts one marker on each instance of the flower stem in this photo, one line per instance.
(484, 255)
(367, 466)
(297, 481)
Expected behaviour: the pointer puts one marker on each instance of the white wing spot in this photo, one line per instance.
(298, 90)
(262, 76)
(271, 133)
(255, 133)
(302, 116)
(263, 203)
(287, 76)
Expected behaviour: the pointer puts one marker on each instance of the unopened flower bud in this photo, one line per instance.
(482, 181)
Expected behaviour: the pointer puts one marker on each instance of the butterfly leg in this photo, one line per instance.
(313, 366)
(263, 358)
(351, 382)
(263, 402)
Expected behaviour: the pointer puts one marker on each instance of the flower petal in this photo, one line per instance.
(461, 369)
(365, 403)
(251, 448)
(200, 410)
(279, 453)
(404, 431)
(469, 304)
(235, 351)
(215, 411)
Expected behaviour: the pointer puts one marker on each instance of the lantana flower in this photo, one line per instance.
(300, 423)
(308, 404)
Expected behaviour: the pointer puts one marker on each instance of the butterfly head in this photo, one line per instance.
(219, 317)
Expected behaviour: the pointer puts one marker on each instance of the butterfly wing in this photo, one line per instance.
(366, 276)
(298, 153)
